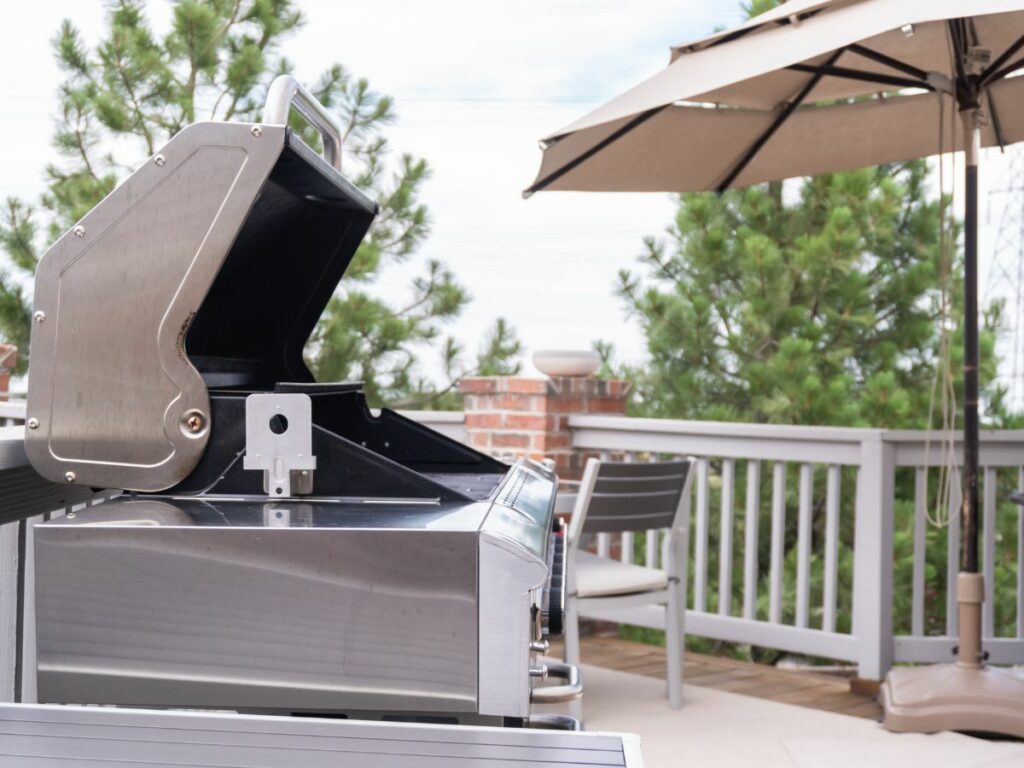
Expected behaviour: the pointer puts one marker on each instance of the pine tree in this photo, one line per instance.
(122, 99)
(828, 306)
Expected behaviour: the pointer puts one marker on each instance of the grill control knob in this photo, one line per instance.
(541, 672)
(540, 646)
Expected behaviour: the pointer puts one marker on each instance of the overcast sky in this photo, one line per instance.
(476, 83)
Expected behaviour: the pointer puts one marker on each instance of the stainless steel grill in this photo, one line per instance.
(280, 547)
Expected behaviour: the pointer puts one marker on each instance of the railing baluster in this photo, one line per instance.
(988, 546)
(803, 545)
(700, 557)
(626, 540)
(777, 541)
(920, 556)
(651, 549)
(829, 601)
(750, 539)
(953, 550)
(725, 539)
(1020, 557)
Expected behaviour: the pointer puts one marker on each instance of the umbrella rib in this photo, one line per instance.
(959, 49)
(856, 74)
(584, 156)
(744, 161)
(740, 33)
(888, 61)
(992, 71)
(1018, 64)
(997, 126)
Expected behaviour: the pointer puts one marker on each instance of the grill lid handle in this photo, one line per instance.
(287, 93)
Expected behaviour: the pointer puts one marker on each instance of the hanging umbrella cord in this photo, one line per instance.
(942, 381)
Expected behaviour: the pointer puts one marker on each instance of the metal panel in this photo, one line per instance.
(73, 737)
(279, 440)
(136, 269)
(145, 606)
(507, 574)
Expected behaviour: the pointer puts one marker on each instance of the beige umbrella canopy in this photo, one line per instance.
(812, 87)
(818, 87)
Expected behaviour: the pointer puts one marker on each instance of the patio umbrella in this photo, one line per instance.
(817, 86)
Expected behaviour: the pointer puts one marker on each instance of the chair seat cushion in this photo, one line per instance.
(600, 576)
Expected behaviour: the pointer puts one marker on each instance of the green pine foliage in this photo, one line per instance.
(819, 307)
(121, 99)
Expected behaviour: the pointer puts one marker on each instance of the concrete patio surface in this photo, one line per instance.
(718, 729)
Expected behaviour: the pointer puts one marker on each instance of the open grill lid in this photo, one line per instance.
(300, 235)
(207, 268)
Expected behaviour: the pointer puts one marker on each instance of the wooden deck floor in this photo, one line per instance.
(804, 689)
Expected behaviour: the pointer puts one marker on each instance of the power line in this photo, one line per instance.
(714, 12)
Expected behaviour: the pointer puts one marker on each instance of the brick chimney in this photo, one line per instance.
(8, 359)
(510, 416)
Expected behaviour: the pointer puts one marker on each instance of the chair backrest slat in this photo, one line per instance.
(635, 497)
(639, 486)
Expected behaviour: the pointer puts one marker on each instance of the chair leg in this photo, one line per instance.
(674, 646)
(572, 649)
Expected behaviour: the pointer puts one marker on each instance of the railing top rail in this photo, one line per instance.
(12, 448)
(444, 417)
(938, 436)
(723, 429)
(784, 431)
(12, 409)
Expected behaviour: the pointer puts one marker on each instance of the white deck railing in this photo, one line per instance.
(842, 477)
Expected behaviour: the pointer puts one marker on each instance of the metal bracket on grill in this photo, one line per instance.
(279, 441)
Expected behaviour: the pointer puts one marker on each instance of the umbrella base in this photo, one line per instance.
(954, 697)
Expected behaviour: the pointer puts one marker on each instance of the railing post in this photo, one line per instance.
(872, 559)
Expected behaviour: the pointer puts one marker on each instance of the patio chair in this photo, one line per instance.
(617, 497)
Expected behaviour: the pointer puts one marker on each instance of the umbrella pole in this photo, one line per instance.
(966, 695)
(970, 583)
